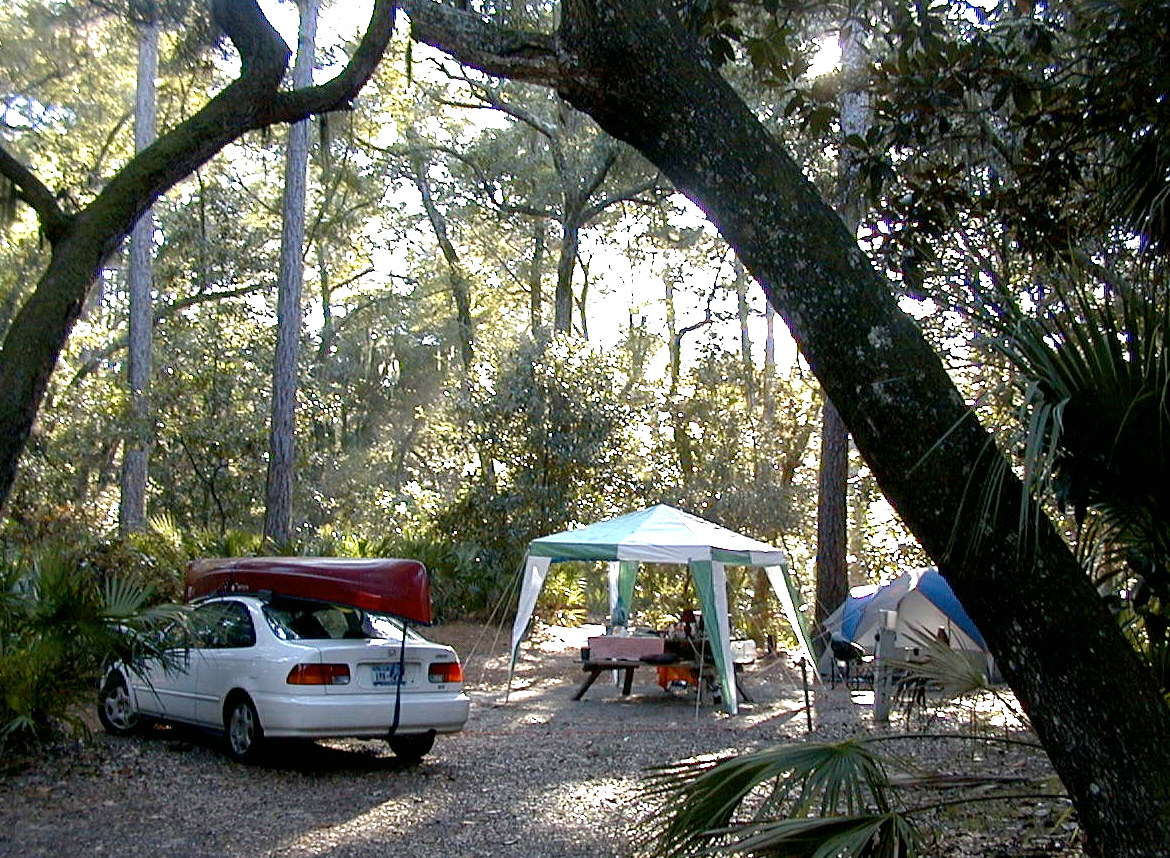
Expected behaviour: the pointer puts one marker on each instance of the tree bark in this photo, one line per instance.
(743, 312)
(832, 585)
(566, 265)
(644, 79)
(140, 434)
(678, 425)
(282, 437)
(456, 276)
(535, 277)
(833, 481)
(768, 388)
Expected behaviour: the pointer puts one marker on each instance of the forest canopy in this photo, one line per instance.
(1003, 289)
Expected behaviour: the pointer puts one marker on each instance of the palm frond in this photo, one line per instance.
(123, 598)
(954, 672)
(702, 798)
(884, 835)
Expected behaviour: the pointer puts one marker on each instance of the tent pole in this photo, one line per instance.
(699, 681)
(511, 671)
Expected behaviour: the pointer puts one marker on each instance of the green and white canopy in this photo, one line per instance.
(662, 534)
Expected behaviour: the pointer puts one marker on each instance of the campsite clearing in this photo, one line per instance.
(542, 776)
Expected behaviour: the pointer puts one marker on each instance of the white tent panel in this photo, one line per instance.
(535, 571)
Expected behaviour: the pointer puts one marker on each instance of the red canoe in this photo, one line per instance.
(397, 587)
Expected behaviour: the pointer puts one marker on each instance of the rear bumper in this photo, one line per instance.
(364, 715)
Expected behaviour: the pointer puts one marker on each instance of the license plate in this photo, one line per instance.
(387, 674)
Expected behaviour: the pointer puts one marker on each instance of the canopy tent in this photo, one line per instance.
(924, 602)
(662, 534)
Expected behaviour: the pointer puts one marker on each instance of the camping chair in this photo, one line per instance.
(845, 654)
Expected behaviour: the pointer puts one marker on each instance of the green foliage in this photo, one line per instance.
(807, 799)
(557, 428)
(568, 597)
(939, 675)
(1095, 372)
(59, 627)
(810, 800)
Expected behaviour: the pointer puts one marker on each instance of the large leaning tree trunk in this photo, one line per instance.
(632, 67)
(82, 242)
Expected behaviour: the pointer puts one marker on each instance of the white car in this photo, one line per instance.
(261, 668)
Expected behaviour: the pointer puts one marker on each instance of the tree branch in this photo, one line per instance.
(340, 91)
(53, 220)
(522, 56)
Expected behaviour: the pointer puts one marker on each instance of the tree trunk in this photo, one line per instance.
(140, 434)
(566, 265)
(768, 384)
(833, 484)
(678, 424)
(832, 526)
(456, 277)
(535, 276)
(647, 82)
(282, 446)
(743, 311)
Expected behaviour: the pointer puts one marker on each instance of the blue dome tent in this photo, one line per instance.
(924, 603)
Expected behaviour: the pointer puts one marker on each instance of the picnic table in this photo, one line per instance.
(698, 675)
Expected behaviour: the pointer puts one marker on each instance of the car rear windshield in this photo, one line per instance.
(296, 620)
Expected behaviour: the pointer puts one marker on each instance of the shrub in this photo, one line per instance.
(59, 627)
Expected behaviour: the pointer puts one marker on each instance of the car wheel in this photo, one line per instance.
(115, 709)
(412, 747)
(242, 730)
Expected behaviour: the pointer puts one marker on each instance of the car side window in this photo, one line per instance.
(222, 625)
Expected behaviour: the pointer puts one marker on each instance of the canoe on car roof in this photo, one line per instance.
(384, 585)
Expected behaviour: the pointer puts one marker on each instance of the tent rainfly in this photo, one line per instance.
(662, 534)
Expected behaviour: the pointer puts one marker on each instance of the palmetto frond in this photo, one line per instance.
(1095, 373)
(1094, 365)
(954, 672)
(58, 628)
(879, 835)
(711, 802)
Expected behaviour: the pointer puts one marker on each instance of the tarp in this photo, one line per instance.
(924, 603)
(663, 534)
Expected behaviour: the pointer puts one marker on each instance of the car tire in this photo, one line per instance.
(243, 733)
(115, 709)
(412, 747)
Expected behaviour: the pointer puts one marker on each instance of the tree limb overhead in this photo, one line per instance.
(522, 56)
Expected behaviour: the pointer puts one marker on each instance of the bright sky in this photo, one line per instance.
(827, 57)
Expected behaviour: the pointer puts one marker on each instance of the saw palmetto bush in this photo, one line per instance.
(59, 627)
(804, 799)
(1095, 370)
(940, 675)
(847, 799)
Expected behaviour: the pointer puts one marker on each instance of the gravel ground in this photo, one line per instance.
(540, 775)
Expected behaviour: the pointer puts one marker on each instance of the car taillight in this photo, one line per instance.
(445, 671)
(319, 674)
